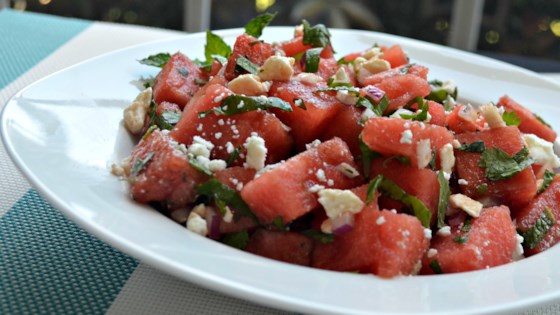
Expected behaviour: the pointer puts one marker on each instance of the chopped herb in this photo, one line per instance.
(539, 118)
(319, 236)
(237, 104)
(157, 60)
(149, 131)
(535, 234)
(436, 268)
(245, 65)
(499, 165)
(234, 155)
(391, 190)
(238, 240)
(195, 163)
(257, 24)
(141, 163)
(403, 159)
(215, 190)
(350, 89)
(547, 179)
(467, 225)
(432, 163)
(200, 82)
(511, 118)
(443, 200)
(462, 239)
(300, 103)
(147, 82)
(422, 115)
(367, 156)
(312, 60)
(343, 61)
(438, 94)
(278, 222)
(372, 188)
(477, 146)
(256, 42)
(215, 45)
(482, 189)
(184, 71)
(316, 36)
(404, 70)
(378, 108)
(332, 83)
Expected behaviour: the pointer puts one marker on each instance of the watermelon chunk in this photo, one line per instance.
(529, 215)
(530, 123)
(395, 136)
(459, 124)
(164, 173)
(177, 80)
(490, 241)
(395, 55)
(290, 247)
(234, 129)
(347, 128)
(251, 48)
(284, 191)
(381, 242)
(516, 191)
(306, 124)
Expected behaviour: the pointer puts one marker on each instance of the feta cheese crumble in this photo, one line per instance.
(256, 152)
(337, 201)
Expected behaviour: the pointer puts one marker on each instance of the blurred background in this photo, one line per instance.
(523, 32)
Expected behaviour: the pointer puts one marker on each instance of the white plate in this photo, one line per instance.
(65, 131)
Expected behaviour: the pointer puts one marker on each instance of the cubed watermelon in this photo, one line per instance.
(251, 48)
(530, 123)
(288, 247)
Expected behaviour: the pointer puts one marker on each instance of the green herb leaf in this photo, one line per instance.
(477, 146)
(499, 165)
(432, 163)
(278, 222)
(534, 235)
(319, 236)
(234, 155)
(367, 156)
(316, 36)
(378, 109)
(215, 45)
(422, 115)
(195, 163)
(238, 240)
(511, 118)
(404, 70)
(312, 59)
(467, 225)
(256, 25)
(443, 200)
(141, 163)
(343, 61)
(482, 189)
(215, 190)
(547, 179)
(403, 159)
(439, 94)
(149, 131)
(373, 187)
(300, 103)
(436, 268)
(462, 239)
(391, 190)
(237, 104)
(157, 60)
(245, 65)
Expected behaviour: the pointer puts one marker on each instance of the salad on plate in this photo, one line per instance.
(362, 163)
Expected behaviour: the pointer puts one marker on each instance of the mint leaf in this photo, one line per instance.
(237, 240)
(278, 222)
(419, 116)
(312, 59)
(215, 45)
(157, 60)
(436, 268)
(234, 155)
(547, 180)
(511, 118)
(141, 163)
(246, 65)
(215, 190)
(378, 109)
(195, 163)
(499, 165)
(237, 104)
(255, 26)
(443, 200)
(477, 146)
(534, 235)
(462, 239)
(367, 156)
(316, 36)
(391, 190)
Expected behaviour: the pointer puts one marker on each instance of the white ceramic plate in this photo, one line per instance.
(65, 131)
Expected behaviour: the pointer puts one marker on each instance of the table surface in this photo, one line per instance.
(59, 270)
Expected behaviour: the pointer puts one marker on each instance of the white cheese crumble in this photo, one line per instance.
(337, 201)
(541, 151)
(256, 152)
(428, 234)
(247, 84)
(467, 204)
(135, 114)
(406, 136)
(321, 175)
(277, 68)
(492, 116)
(423, 153)
(518, 253)
(313, 144)
(380, 220)
(462, 182)
(447, 158)
(347, 170)
(432, 252)
(197, 224)
(315, 188)
(346, 98)
(444, 231)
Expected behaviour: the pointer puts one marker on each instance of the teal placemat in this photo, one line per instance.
(27, 38)
(48, 265)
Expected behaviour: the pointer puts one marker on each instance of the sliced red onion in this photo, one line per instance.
(343, 223)
(213, 220)
(457, 218)
(374, 93)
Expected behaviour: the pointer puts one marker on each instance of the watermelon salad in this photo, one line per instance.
(357, 164)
